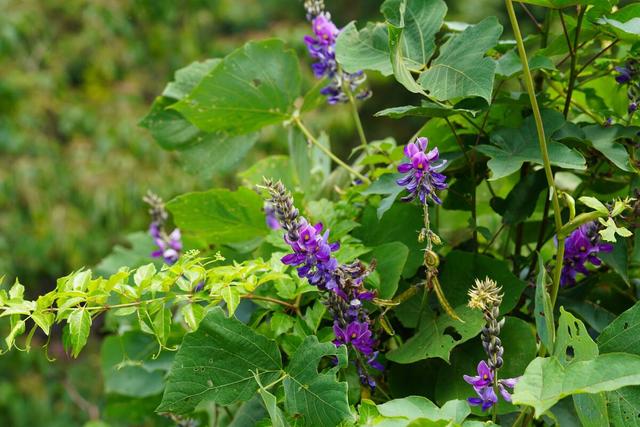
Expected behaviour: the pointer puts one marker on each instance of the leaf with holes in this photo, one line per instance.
(217, 363)
(438, 335)
(318, 399)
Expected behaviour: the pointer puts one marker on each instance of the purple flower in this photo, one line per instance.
(312, 255)
(486, 398)
(582, 245)
(355, 333)
(423, 177)
(270, 217)
(169, 246)
(624, 76)
(484, 377)
(321, 46)
(483, 384)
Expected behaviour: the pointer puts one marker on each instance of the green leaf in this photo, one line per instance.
(420, 410)
(522, 199)
(250, 414)
(623, 406)
(400, 69)
(420, 20)
(128, 368)
(543, 309)
(391, 258)
(618, 259)
(219, 215)
(513, 147)
(316, 399)
(253, 87)
(187, 78)
(438, 335)
(79, 326)
(276, 167)
(604, 139)
(385, 185)
(624, 23)
(365, 49)
(623, 333)
(426, 109)
(546, 380)
(215, 363)
(509, 64)
(594, 204)
(573, 343)
(461, 70)
(460, 269)
(591, 409)
(271, 403)
(144, 274)
(231, 296)
(611, 229)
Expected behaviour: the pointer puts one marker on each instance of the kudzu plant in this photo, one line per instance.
(484, 272)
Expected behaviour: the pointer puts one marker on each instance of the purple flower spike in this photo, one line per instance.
(484, 378)
(582, 246)
(321, 46)
(483, 385)
(423, 177)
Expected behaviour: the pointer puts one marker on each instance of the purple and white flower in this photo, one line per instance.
(423, 178)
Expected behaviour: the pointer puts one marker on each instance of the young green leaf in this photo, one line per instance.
(79, 326)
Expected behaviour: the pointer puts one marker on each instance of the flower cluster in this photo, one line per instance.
(321, 46)
(630, 76)
(423, 177)
(485, 295)
(343, 284)
(582, 245)
(169, 244)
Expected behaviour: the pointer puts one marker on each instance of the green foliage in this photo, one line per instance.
(262, 337)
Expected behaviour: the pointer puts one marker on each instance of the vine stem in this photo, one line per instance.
(543, 148)
(574, 59)
(356, 118)
(314, 141)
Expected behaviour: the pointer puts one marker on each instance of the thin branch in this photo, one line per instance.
(596, 56)
(533, 18)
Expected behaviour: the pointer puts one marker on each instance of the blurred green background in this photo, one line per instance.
(75, 79)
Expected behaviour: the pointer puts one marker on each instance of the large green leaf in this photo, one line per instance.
(201, 153)
(604, 139)
(252, 87)
(420, 20)
(412, 25)
(461, 69)
(316, 399)
(219, 215)
(546, 380)
(365, 49)
(438, 335)
(217, 363)
(522, 199)
(623, 334)
(513, 147)
(573, 343)
(624, 23)
(460, 269)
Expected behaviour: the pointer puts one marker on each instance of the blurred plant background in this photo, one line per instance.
(77, 76)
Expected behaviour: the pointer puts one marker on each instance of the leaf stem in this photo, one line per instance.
(543, 147)
(325, 150)
(356, 117)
